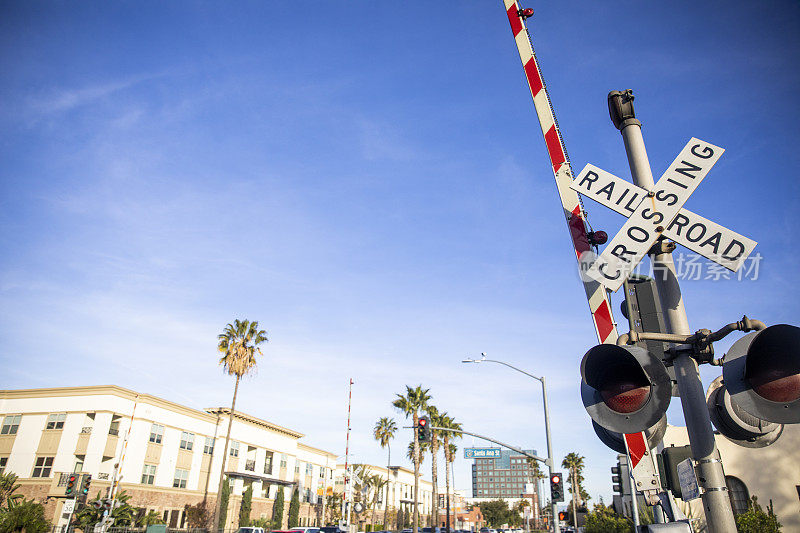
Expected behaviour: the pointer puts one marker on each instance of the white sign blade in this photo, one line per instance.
(654, 213)
(709, 239)
(611, 191)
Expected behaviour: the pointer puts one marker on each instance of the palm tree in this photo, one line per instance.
(411, 404)
(376, 484)
(435, 420)
(574, 463)
(536, 475)
(450, 449)
(384, 432)
(239, 342)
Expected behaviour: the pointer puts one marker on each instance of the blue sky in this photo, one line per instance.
(368, 181)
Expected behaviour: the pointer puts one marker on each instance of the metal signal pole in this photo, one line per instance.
(716, 502)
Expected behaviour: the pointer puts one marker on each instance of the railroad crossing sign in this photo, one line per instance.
(660, 212)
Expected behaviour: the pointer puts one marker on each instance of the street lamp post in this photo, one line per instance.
(549, 462)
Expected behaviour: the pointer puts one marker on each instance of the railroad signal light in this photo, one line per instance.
(72, 480)
(424, 429)
(625, 389)
(525, 13)
(759, 389)
(616, 441)
(556, 487)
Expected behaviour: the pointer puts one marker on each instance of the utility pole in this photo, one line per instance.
(716, 502)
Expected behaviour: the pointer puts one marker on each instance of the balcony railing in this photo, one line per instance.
(86, 430)
(250, 465)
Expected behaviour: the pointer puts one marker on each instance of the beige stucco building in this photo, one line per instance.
(772, 473)
(165, 455)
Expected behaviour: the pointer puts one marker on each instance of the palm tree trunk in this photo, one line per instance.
(215, 522)
(388, 477)
(575, 491)
(434, 479)
(447, 480)
(415, 519)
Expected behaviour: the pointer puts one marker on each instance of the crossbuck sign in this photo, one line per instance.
(660, 212)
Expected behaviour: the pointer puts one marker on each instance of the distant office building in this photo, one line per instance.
(503, 477)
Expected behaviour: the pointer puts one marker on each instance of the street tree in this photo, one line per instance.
(239, 344)
(435, 420)
(574, 462)
(294, 509)
(414, 401)
(384, 432)
(376, 485)
(8, 486)
(603, 519)
(755, 520)
(495, 512)
(277, 510)
(450, 449)
(24, 515)
(247, 505)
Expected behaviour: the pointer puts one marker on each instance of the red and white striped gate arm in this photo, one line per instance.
(595, 293)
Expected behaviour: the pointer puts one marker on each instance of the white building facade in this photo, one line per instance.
(168, 457)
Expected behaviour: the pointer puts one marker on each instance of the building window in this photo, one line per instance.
(322, 472)
(737, 491)
(78, 466)
(309, 469)
(149, 474)
(234, 449)
(268, 463)
(297, 467)
(156, 433)
(208, 448)
(56, 421)
(10, 425)
(3, 463)
(187, 440)
(283, 460)
(180, 478)
(113, 428)
(42, 467)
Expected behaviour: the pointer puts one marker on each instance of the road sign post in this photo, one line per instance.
(716, 503)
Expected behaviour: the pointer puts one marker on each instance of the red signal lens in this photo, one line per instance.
(625, 396)
(555, 479)
(423, 422)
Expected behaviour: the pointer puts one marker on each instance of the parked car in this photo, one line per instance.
(330, 529)
(251, 530)
(305, 529)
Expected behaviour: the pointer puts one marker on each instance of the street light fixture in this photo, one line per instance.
(549, 461)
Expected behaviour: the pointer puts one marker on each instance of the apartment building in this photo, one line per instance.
(165, 455)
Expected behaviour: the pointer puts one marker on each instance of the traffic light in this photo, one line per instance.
(625, 389)
(760, 387)
(424, 429)
(562, 516)
(86, 481)
(72, 481)
(556, 487)
(616, 479)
